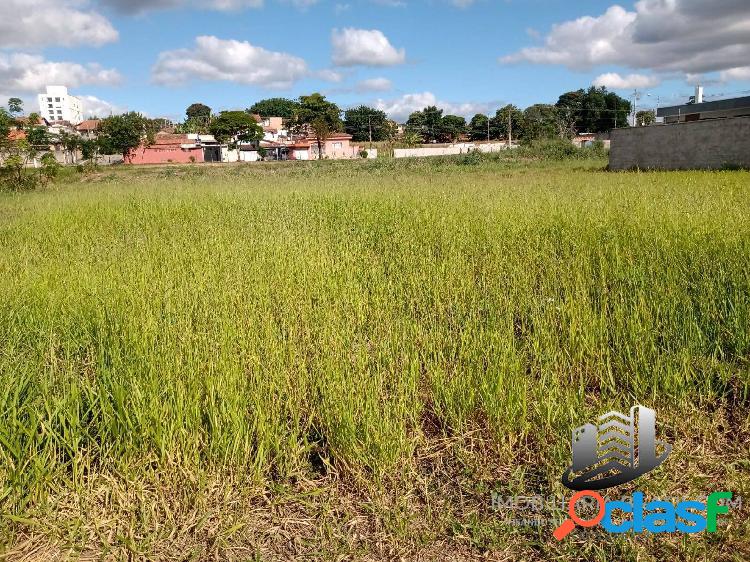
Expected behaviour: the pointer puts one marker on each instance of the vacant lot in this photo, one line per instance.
(343, 360)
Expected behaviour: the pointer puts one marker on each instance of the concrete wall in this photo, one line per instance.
(459, 148)
(709, 144)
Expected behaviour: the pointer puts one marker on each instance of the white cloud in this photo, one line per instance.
(686, 36)
(303, 4)
(93, 106)
(229, 60)
(399, 109)
(614, 81)
(329, 75)
(391, 3)
(236, 4)
(366, 47)
(374, 85)
(20, 72)
(137, 6)
(739, 73)
(38, 23)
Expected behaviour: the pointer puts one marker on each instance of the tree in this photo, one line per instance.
(428, 122)
(505, 127)
(195, 126)
(18, 152)
(122, 134)
(478, 129)
(15, 106)
(453, 127)
(646, 117)
(198, 112)
(90, 149)
(70, 144)
(275, 107)
(6, 124)
(411, 138)
(543, 121)
(235, 126)
(594, 110)
(365, 123)
(317, 115)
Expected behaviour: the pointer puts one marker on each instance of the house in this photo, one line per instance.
(250, 152)
(16, 135)
(168, 148)
(24, 121)
(582, 140)
(336, 147)
(273, 128)
(87, 129)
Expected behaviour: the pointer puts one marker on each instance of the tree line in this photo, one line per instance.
(591, 110)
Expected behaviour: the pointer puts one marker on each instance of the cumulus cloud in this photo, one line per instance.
(38, 23)
(374, 85)
(225, 59)
(686, 36)
(365, 47)
(20, 72)
(614, 81)
(739, 73)
(399, 109)
(93, 106)
(137, 6)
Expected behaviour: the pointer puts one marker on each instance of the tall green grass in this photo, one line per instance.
(284, 320)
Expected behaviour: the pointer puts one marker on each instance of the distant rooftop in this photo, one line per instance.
(705, 107)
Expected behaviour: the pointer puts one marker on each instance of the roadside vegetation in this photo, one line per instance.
(343, 360)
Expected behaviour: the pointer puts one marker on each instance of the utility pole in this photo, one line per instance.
(488, 127)
(369, 125)
(636, 95)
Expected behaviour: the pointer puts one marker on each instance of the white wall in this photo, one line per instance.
(459, 148)
(249, 156)
(229, 155)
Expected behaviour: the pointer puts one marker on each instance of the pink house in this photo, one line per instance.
(336, 147)
(167, 148)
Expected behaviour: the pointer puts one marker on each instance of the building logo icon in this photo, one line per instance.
(620, 449)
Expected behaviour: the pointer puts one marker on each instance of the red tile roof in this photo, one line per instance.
(88, 125)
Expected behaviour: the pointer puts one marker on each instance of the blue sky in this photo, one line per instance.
(467, 56)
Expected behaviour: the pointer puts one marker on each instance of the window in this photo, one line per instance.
(49, 105)
(49, 99)
(57, 99)
(337, 146)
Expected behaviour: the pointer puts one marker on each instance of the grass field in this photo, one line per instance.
(342, 360)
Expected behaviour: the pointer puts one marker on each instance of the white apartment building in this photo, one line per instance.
(58, 105)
